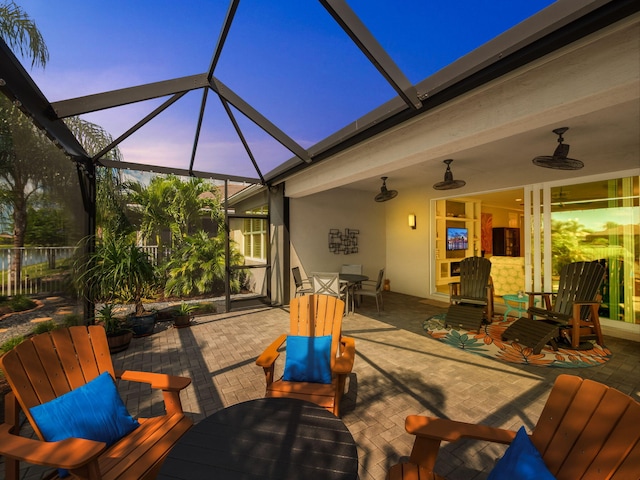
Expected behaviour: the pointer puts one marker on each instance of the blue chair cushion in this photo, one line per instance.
(308, 359)
(93, 411)
(521, 461)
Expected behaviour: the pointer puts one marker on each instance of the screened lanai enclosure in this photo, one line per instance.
(231, 100)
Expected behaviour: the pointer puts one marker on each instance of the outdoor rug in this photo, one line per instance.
(488, 343)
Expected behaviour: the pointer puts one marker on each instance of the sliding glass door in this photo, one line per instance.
(593, 221)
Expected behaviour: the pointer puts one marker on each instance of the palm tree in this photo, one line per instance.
(153, 203)
(170, 202)
(198, 267)
(19, 31)
(194, 199)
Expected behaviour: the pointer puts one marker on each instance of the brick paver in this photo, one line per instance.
(398, 371)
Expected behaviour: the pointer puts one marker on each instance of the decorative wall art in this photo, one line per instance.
(486, 229)
(346, 242)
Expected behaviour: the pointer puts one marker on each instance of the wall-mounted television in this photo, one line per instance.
(457, 238)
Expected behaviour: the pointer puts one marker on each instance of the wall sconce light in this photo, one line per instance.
(412, 221)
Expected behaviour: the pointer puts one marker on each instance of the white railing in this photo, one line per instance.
(44, 270)
(40, 270)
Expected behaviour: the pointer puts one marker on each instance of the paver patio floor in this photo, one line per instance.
(398, 371)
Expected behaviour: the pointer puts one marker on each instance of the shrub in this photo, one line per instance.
(20, 303)
(12, 342)
(45, 327)
(72, 320)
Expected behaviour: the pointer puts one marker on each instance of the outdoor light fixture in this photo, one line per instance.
(449, 183)
(412, 221)
(559, 159)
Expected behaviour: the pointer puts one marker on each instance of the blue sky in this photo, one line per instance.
(287, 58)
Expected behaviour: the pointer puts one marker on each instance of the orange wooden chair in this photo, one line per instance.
(313, 316)
(586, 430)
(51, 364)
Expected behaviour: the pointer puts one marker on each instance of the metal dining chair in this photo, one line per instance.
(372, 289)
(303, 286)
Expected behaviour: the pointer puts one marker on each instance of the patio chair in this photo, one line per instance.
(372, 289)
(351, 268)
(586, 430)
(573, 315)
(471, 299)
(52, 377)
(318, 358)
(328, 283)
(303, 286)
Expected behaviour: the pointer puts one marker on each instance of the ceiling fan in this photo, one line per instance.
(559, 159)
(385, 194)
(449, 183)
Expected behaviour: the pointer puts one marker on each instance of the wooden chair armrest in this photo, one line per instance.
(344, 363)
(451, 430)
(430, 432)
(160, 381)
(171, 385)
(71, 453)
(271, 353)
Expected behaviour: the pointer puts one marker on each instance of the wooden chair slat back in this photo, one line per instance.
(611, 438)
(474, 277)
(630, 466)
(584, 427)
(317, 315)
(53, 363)
(52, 369)
(579, 281)
(22, 367)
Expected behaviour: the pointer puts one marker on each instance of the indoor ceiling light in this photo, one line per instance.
(559, 160)
(385, 194)
(449, 183)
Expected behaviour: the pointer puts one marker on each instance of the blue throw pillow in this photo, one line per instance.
(521, 461)
(308, 359)
(93, 411)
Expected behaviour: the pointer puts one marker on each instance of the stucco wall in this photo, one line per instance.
(408, 250)
(313, 216)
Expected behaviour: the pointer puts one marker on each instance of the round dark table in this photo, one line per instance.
(351, 279)
(269, 438)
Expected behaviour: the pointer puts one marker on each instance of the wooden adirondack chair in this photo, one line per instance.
(471, 299)
(586, 430)
(574, 312)
(313, 316)
(51, 364)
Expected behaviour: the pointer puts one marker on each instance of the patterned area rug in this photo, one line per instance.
(488, 343)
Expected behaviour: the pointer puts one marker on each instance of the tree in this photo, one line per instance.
(198, 267)
(169, 202)
(152, 202)
(566, 240)
(28, 163)
(194, 200)
(20, 32)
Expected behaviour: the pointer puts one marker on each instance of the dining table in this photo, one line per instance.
(266, 439)
(352, 280)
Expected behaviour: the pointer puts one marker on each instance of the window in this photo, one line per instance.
(254, 232)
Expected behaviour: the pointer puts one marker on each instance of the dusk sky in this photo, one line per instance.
(287, 58)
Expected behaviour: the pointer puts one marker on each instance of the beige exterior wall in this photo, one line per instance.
(313, 216)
